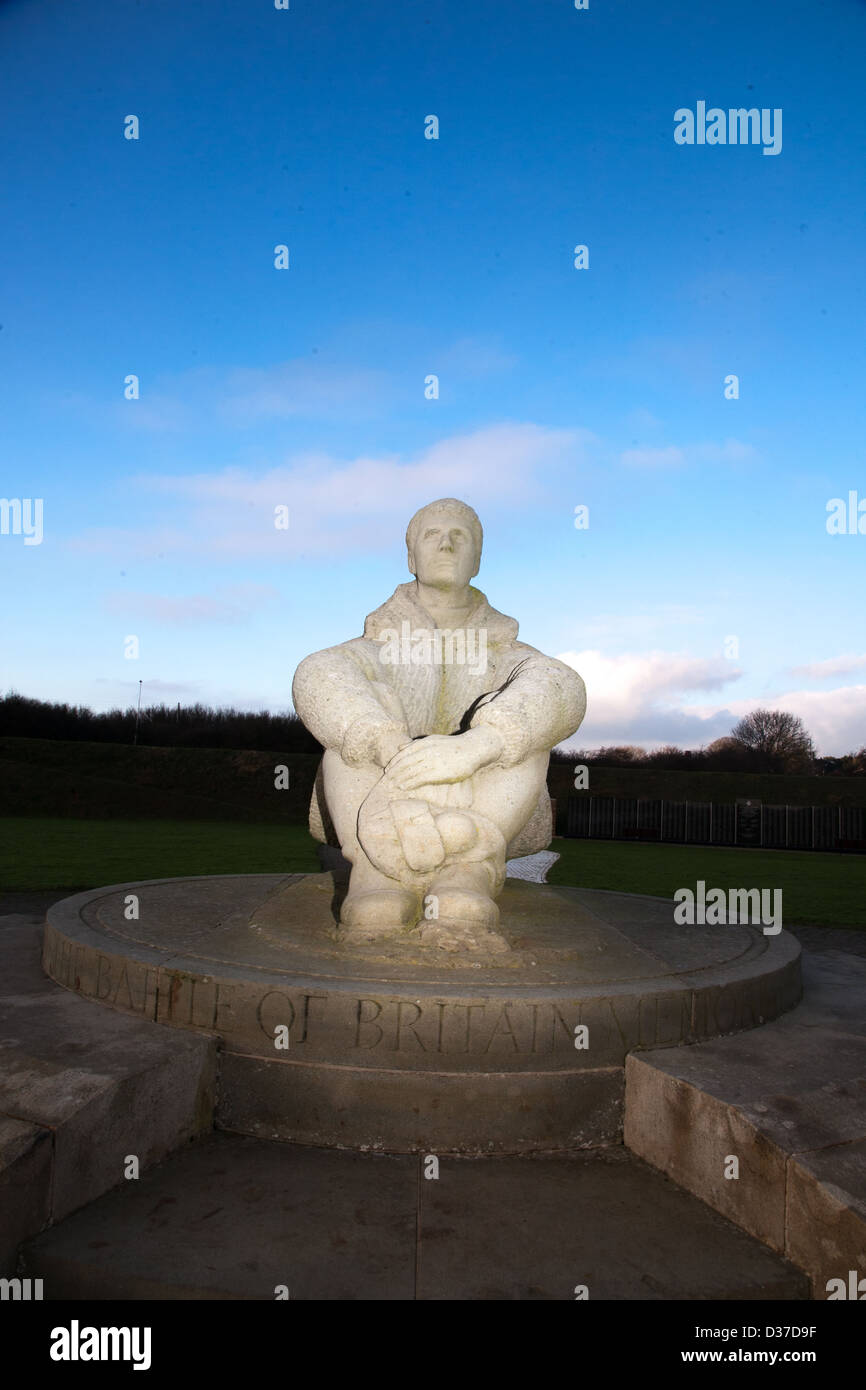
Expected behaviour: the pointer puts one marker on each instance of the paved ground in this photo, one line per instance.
(831, 939)
(232, 1217)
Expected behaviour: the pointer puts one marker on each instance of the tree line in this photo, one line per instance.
(763, 741)
(164, 726)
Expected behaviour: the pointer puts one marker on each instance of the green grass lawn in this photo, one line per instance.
(38, 854)
(824, 889)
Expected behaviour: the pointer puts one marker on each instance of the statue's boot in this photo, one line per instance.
(376, 907)
(377, 914)
(467, 915)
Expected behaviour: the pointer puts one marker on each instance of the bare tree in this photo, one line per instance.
(728, 754)
(778, 738)
(620, 755)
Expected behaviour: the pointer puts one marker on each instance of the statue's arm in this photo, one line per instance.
(339, 695)
(544, 703)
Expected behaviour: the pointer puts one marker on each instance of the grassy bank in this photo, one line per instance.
(49, 777)
(46, 853)
(825, 889)
(42, 853)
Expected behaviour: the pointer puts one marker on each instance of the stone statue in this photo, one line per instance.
(437, 726)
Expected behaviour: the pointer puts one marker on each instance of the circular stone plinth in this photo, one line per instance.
(396, 1046)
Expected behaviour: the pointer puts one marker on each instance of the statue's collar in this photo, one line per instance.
(403, 606)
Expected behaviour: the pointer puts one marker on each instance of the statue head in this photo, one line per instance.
(444, 542)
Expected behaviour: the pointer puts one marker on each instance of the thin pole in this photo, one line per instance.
(137, 716)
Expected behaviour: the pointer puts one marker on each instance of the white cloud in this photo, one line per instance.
(638, 697)
(646, 698)
(834, 666)
(836, 719)
(337, 506)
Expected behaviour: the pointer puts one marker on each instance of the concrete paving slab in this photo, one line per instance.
(540, 1228)
(850, 940)
(233, 1218)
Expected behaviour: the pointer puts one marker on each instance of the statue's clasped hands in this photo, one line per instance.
(444, 758)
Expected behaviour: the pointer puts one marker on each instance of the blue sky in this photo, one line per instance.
(407, 256)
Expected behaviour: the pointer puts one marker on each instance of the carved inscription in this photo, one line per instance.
(492, 1028)
(277, 1007)
(495, 1028)
(339, 1023)
(111, 980)
(188, 1001)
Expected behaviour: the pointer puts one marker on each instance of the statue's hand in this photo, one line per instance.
(390, 742)
(443, 758)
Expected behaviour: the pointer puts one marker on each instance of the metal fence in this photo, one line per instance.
(717, 823)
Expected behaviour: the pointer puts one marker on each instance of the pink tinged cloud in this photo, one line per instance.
(834, 666)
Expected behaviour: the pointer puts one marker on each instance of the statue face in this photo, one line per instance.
(444, 556)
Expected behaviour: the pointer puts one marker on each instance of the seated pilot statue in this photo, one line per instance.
(437, 726)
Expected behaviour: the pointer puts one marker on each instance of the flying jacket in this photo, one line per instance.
(349, 693)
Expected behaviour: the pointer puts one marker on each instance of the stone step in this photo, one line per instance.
(788, 1101)
(81, 1089)
(234, 1218)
